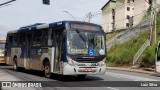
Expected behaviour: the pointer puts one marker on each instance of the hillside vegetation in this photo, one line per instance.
(122, 54)
(148, 57)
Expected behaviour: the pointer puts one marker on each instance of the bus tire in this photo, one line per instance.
(47, 70)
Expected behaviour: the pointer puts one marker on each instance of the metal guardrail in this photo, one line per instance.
(140, 51)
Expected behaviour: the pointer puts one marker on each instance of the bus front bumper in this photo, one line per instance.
(73, 70)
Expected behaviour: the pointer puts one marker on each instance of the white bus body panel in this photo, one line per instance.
(75, 70)
(158, 67)
(14, 52)
(50, 56)
(28, 63)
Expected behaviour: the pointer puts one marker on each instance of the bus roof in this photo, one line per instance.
(50, 25)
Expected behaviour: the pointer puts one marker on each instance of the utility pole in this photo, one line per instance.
(113, 18)
(155, 19)
(153, 22)
(89, 16)
(70, 15)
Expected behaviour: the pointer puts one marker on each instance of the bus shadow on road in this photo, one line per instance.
(63, 78)
(74, 78)
(2, 64)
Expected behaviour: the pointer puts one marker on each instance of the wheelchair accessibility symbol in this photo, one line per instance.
(91, 52)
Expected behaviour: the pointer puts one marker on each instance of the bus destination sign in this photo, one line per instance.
(84, 26)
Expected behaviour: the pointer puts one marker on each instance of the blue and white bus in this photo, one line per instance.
(65, 47)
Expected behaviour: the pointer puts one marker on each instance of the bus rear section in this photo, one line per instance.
(2, 51)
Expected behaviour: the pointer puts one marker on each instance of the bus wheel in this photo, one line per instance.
(47, 70)
(81, 76)
(15, 67)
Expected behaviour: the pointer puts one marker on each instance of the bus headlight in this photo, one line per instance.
(70, 61)
(1, 54)
(102, 63)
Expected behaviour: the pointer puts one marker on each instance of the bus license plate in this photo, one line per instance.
(88, 70)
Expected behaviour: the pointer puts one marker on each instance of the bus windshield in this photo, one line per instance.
(85, 43)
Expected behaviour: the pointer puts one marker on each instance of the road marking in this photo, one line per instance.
(112, 88)
(134, 78)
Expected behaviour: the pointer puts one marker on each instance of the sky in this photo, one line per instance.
(26, 12)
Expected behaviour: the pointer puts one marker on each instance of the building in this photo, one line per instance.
(120, 14)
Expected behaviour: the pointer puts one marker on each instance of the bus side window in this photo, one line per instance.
(14, 40)
(50, 39)
(37, 38)
(10, 41)
(22, 37)
(53, 38)
(29, 38)
(45, 37)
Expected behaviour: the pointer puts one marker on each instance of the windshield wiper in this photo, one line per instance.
(80, 35)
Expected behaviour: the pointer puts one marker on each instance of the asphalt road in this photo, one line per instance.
(94, 82)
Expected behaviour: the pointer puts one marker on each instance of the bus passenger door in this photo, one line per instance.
(158, 58)
(22, 43)
(36, 51)
(58, 50)
(28, 47)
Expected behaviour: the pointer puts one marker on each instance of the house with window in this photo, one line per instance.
(120, 14)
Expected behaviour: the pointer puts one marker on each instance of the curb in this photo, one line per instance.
(151, 72)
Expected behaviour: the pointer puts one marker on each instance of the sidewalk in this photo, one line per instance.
(5, 76)
(132, 69)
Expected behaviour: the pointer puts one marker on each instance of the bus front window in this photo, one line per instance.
(85, 43)
(77, 42)
(96, 44)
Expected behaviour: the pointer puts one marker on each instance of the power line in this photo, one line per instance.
(126, 18)
(5, 5)
(137, 3)
(108, 11)
(100, 12)
(7, 2)
(90, 15)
